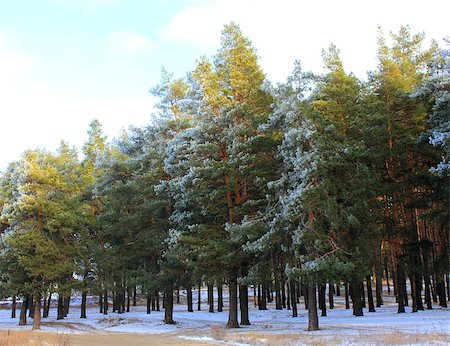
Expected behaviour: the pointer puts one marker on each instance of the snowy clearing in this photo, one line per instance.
(269, 327)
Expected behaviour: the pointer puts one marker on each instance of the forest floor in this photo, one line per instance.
(269, 327)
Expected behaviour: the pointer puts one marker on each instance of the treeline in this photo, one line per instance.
(325, 179)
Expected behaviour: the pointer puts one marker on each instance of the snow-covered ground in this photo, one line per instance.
(268, 327)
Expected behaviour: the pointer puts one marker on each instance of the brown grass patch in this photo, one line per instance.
(31, 338)
(218, 332)
(13, 338)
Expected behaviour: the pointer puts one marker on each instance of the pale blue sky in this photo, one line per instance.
(63, 63)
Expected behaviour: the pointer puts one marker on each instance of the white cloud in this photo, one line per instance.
(130, 41)
(285, 30)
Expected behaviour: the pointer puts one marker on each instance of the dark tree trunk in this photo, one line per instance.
(434, 288)
(263, 300)
(305, 294)
(363, 294)
(105, 303)
(288, 300)
(278, 304)
(293, 300)
(168, 312)
(210, 288)
(23, 312)
(60, 309)
(400, 287)
(178, 296)
(164, 300)
(233, 313)
(243, 302)
(37, 313)
(31, 307)
(338, 289)
(313, 319)
(128, 299)
(83, 304)
(330, 295)
(157, 301)
(355, 289)
(440, 287)
(378, 290)
(100, 302)
(447, 280)
(426, 274)
(387, 276)
(149, 303)
(322, 305)
(283, 291)
(66, 305)
(190, 308)
(219, 297)
(47, 307)
(13, 307)
(199, 297)
(369, 294)
(347, 300)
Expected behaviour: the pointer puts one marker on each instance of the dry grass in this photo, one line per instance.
(218, 333)
(13, 338)
(29, 338)
(116, 321)
(396, 337)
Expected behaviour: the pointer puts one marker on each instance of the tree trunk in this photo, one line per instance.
(23, 312)
(134, 295)
(168, 312)
(66, 305)
(378, 290)
(149, 303)
(219, 297)
(278, 305)
(210, 288)
(128, 299)
(37, 313)
(355, 289)
(47, 307)
(60, 310)
(243, 302)
(199, 297)
(232, 313)
(322, 305)
(31, 307)
(157, 301)
(263, 300)
(400, 287)
(13, 307)
(100, 302)
(330, 295)
(83, 304)
(369, 294)
(105, 303)
(313, 319)
(283, 291)
(347, 300)
(293, 300)
(189, 299)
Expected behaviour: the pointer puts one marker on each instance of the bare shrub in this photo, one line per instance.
(218, 333)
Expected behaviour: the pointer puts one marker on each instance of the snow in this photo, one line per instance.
(199, 325)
